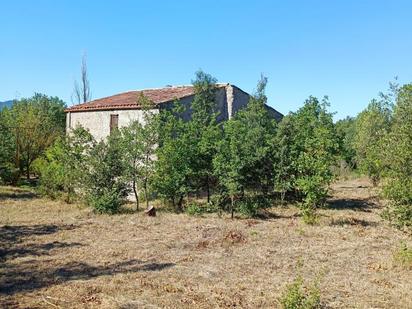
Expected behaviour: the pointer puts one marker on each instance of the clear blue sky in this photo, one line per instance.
(348, 50)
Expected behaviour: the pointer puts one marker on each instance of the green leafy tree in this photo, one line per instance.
(258, 128)
(34, 123)
(314, 149)
(229, 164)
(345, 131)
(174, 164)
(140, 142)
(372, 126)
(284, 173)
(244, 157)
(61, 168)
(9, 173)
(398, 160)
(204, 130)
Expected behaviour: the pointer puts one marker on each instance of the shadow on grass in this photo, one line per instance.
(13, 234)
(34, 249)
(17, 195)
(12, 240)
(352, 222)
(30, 276)
(351, 204)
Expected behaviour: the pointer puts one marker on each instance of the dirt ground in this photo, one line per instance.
(54, 255)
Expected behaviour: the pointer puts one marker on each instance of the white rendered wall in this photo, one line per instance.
(98, 122)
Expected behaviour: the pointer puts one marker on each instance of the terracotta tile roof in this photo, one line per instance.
(127, 100)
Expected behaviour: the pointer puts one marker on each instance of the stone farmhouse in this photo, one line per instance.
(101, 116)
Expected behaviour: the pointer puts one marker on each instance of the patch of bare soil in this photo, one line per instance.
(54, 255)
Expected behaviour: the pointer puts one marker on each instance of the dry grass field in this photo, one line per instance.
(54, 255)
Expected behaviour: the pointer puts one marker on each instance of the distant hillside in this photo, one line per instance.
(6, 104)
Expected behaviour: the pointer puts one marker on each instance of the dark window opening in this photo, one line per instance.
(114, 122)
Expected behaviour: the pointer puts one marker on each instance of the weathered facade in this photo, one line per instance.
(100, 115)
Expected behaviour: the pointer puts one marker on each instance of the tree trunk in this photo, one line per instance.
(180, 203)
(136, 195)
(146, 195)
(232, 204)
(28, 171)
(208, 189)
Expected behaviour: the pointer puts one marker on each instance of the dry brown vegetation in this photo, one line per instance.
(58, 255)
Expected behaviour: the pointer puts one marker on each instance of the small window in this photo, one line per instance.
(114, 122)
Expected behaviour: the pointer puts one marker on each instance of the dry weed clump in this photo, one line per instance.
(234, 237)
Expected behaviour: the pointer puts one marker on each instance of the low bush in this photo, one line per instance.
(9, 174)
(106, 201)
(51, 180)
(251, 205)
(194, 209)
(297, 296)
(399, 215)
(309, 216)
(403, 256)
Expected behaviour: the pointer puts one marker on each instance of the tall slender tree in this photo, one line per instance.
(81, 91)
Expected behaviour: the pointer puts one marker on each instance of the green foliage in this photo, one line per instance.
(398, 161)
(61, 168)
(9, 173)
(312, 151)
(403, 256)
(174, 164)
(28, 128)
(296, 296)
(204, 132)
(194, 209)
(345, 132)
(372, 127)
(283, 169)
(244, 157)
(51, 170)
(104, 182)
(250, 206)
(139, 145)
(309, 216)
(106, 200)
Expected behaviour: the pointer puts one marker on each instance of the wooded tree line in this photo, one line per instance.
(241, 165)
